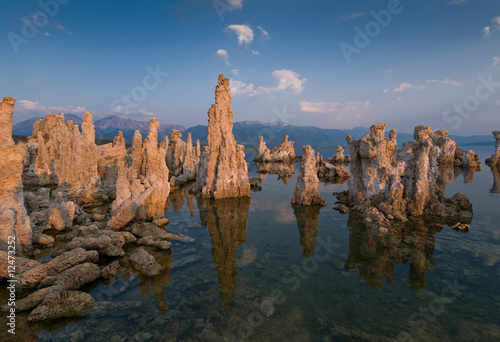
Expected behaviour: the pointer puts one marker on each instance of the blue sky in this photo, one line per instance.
(331, 64)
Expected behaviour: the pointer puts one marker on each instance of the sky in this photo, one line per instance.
(330, 64)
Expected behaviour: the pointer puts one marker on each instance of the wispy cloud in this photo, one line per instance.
(243, 32)
(353, 16)
(287, 79)
(235, 72)
(334, 107)
(34, 107)
(224, 56)
(264, 35)
(407, 86)
(238, 4)
(486, 31)
(456, 2)
(496, 61)
(256, 53)
(446, 81)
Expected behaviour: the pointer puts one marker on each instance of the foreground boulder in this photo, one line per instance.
(223, 171)
(14, 220)
(388, 183)
(306, 189)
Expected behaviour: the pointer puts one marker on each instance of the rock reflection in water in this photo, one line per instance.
(496, 180)
(227, 221)
(178, 196)
(284, 171)
(307, 222)
(448, 173)
(375, 251)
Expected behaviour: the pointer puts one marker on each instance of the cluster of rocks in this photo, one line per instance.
(222, 171)
(339, 158)
(285, 153)
(182, 158)
(388, 183)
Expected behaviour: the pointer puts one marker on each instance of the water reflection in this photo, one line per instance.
(307, 222)
(284, 171)
(375, 251)
(448, 173)
(496, 180)
(227, 221)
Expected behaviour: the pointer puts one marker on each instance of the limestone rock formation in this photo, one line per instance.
(495, 158)
(14, 221)
(142, 185)
(388, 183)
(283, 153)
(182, 158)
(63, 304)
(339, 157)
(331, 172)
(72, 157)
(223, 171)
(306, 189)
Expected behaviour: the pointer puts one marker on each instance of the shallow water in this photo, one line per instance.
(261, 270)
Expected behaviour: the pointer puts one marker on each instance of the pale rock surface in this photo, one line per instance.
(14, 220)
(283, 153)
(223, 171)
(306, 189)
(495, 158)
(64, 152)
(63, 304)
(388, 183)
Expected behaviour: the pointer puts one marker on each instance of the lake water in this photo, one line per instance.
(259, 269)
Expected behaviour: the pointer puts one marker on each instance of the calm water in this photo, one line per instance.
(259, 270)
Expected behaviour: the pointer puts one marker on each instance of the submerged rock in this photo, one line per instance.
(63, 304)
(223, 171)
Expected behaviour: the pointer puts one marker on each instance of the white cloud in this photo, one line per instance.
(224, 56)
(235, 72)
(256, 53)
(287, 79)
(244, 33)
(264, 35)
(496, 61)
(496, 21)
(446, 81)
(486, 31)
(236, 3)
(407, 86)
(61, 28)
(334, 107)
(35, 106)
(386, 90)
(145, 112)
(47, 34)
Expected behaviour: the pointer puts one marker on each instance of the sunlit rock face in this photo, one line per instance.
(306, 189)
(72, 157)
(283, 153)
(142, 185)
(339, 157)
(14, 220)
(223, 171)
(388, 183)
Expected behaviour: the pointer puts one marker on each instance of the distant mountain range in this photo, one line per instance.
(245, 132)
